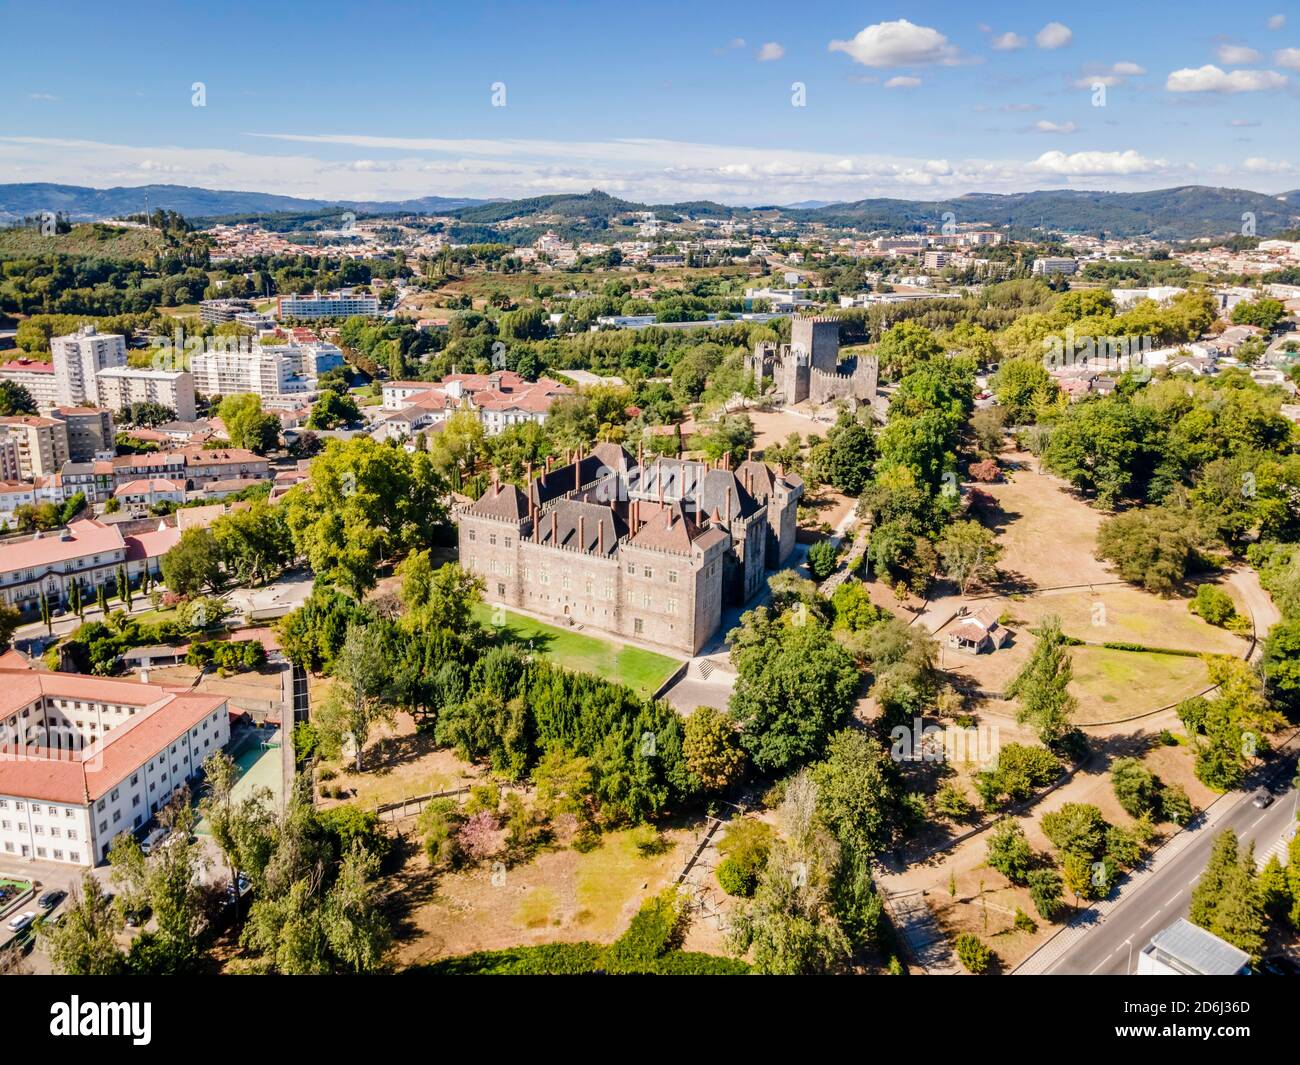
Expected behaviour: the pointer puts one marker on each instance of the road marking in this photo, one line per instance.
(1173, 900)
(1257, 821)
(1149, 920)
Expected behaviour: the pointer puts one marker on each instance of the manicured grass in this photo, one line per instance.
(642, 671)
(1112, 684)
(610, 876)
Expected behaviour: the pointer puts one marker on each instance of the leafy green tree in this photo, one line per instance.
(1042, 685)
(1018, 386)
(793, 687)
(1281, 663)
(334, 409)
(194, 564)
(1135, 787)
(970, 553)
(84, 941)
(247, 426)
(852, 455)
(1227, 899)
(712, 749)
(823, 556)
(1046, 892)
(1154, 546)
(1009, 852)
(974, 956)
(859, 794)
(362, 695)
(15, 400)
(254, 542)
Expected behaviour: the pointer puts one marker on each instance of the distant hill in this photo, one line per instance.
(86, 204)
(1173, 214)
(91, 240)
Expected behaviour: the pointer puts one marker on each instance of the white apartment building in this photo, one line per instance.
(121, 386)
(342, 304)
(84, 759)
(78, 358)
(37, 377)
(264, 371)
(1049, 265)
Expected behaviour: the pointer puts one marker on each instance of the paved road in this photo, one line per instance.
(1107, 939)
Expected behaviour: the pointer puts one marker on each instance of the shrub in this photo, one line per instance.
(951, 801)
(1009, 852)
(1135, 787)
(1212, 604)
(986, 472)
(736, 879)
(974, 956)
(1023, 922)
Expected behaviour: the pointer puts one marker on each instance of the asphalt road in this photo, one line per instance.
(1111, 946)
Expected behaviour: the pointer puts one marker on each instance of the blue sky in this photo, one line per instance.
(659, 102)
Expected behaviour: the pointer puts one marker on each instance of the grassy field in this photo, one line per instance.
(642, 671)
(1113, 684)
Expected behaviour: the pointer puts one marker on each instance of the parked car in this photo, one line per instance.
(1278, 965)
(155, 838)
(17, 924)
(1262, 798)
(51, 899)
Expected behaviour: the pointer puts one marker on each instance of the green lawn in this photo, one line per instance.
(642, 671)
(1112, 684)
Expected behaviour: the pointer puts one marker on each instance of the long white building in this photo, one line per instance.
(341, 304)
(121, 386)
(84, 759)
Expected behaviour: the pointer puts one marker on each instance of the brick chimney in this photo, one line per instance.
(582, 532)
(555, 527)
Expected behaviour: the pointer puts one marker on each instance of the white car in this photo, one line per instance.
(17, 924)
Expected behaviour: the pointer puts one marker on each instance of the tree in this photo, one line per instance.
(365, 503)
(1227, 899)
(194, 564)
(1042, 685)
(11, 618)
(851, 457)
(1264, 312)
(1076, 828)
(823, 556)
(1135, 787)
(255, 542)
(1213, 604)
(712, 750)
(1153, 546)
(15, 399)
(974, 956)
(362, 696)
(1009, 852)
(794, 686)
(355, 928)
(905, 345)
(83, 942)
(859, 794)
(240, 829)
(970, 553)
(1018, 385)
(246, 424)
(333, 409)
(1281, 663)
(1046, 892)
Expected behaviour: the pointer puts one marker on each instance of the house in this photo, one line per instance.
(977, 633)
(149, 492)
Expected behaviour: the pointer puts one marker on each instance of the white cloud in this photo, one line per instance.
(898, 44)
(1242, 123)
(1008, 42)
(1210, 78)
(1259, 165)
(43, 97)
(1094, 164)
(902, 82)
(736, 42)
(1054, 35)
(770, 51)
(1110, 76)
(1236, 55)
(1287, 57)
(1276, 22)
(1044, 126)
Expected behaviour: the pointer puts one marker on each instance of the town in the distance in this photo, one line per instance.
(596, 582)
